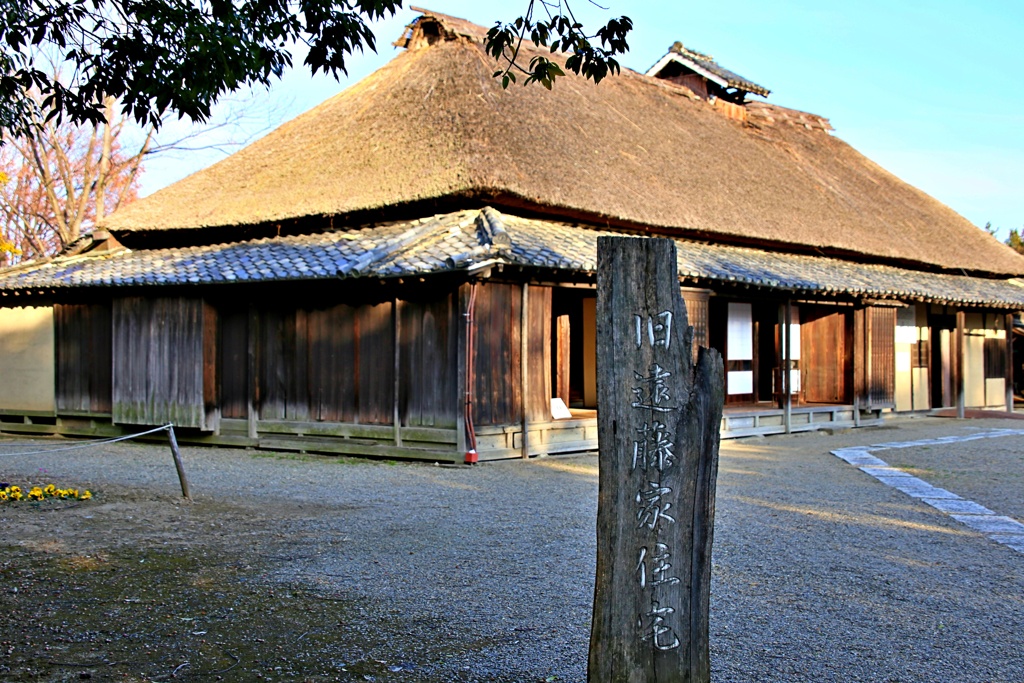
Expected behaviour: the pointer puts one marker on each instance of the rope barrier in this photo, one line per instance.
(99, 442)
(169, 428)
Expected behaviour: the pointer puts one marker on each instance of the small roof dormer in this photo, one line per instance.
(703, 75)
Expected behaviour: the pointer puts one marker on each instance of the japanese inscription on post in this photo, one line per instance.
(658, 420)
(653, 443)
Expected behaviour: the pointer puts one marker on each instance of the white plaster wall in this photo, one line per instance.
(974, 360)
(906, 335)
(27, 359)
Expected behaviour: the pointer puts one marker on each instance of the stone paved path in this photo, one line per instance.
(999, 528)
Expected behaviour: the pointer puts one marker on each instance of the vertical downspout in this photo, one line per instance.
(471, 455)
(787, 376)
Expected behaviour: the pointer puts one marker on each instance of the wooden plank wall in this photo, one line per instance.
(158, 362)
(538, 359)
(428, 396)
(281, 380)
(497, 382)
(332, 364)
(823, 354)
(376, 360)
(336, 363)
(233, 362)
(83, 350)
(332, 369)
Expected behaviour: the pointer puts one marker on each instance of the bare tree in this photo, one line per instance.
(58, 183)
(63, 180)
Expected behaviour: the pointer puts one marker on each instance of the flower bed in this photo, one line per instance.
(12, 494)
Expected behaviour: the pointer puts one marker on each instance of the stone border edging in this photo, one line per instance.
(999, 528)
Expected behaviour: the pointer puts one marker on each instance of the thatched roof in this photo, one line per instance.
(433, 125)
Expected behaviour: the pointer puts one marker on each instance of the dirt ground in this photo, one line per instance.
(307, 568)
(137, 588)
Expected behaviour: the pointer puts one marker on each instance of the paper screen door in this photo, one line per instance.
(739, 344)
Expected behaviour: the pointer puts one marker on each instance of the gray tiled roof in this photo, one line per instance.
(462, 240)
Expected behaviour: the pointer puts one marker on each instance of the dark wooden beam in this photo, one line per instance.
(958, 363)
(562, 357)
(1008, 325)
(524, 368)
(252, 411)
(787, 360)
(396, 325)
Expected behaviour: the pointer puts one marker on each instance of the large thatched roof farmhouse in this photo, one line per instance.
(408, 270)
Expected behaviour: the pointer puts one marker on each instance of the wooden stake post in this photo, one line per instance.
(178, 465)
(658, 424)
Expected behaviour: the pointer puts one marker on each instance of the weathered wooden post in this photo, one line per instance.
(178, 465)
(658, 423)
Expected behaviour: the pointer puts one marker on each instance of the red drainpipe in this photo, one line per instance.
(471, 454)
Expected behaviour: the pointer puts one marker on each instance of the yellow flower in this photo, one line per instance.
(15, 489)
(50, 488)
(85, 496)
(16, 494)
(35, 494)
(3, 495)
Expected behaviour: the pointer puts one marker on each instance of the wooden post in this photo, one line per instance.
(869, 358)
(787, 373)
(396, 325)
(959, 363)
(178, 465)
(524, 368)
(1008, 324)
(252, 412)
(859, 374)
(658, 467)
(563, 350)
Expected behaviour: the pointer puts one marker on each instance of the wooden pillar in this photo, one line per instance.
(658, 424)
(563, 351)
(959, 364)
(869, 358)
(787, 360)
(396, 326)
(252, 411)
(524, 354)
(1008, 325)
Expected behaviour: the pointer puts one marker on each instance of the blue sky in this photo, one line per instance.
(931, 91)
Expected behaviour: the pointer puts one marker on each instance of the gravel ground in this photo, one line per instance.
(411, 572)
